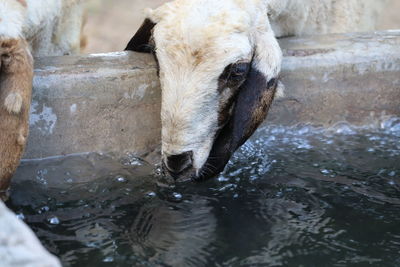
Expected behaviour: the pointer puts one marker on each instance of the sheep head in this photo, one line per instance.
(218, 67)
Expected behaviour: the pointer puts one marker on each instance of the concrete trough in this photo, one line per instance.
(111, 102)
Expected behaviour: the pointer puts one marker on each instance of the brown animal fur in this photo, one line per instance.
(16, 74)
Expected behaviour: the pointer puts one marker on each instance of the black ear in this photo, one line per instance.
(140, 41)
(252, 104)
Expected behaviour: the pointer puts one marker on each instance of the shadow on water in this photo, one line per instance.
(290, 197)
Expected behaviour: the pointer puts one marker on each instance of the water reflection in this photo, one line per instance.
(290, 197)
(175, 235)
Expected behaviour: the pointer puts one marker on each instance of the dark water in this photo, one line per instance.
(291, 197)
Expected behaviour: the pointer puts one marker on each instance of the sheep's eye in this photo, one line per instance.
(235, 73)
(239, 70)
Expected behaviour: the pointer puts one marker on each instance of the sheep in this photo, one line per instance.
(28, 28)
(219, 65)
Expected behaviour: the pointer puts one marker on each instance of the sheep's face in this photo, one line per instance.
(197, 88)
(205, 62)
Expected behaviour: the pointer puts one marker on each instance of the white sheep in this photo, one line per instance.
(219, 64)
(28, 27)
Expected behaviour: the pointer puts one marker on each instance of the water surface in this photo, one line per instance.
(298, 196)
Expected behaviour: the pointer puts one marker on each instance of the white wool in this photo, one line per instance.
(304, 17)
(52, 27)
(12, 16)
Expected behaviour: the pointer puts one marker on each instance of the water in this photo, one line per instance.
(291, 197)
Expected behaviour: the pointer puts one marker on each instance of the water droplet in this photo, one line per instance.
(54, 220)
(392, 173)
(392, 183)
(371, 150)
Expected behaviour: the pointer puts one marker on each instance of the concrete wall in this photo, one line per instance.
(111, 102)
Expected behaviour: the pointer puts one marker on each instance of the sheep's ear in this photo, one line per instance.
(140, 41)
(252, 103)
(256, 94)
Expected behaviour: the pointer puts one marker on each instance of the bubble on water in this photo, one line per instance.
(228, 187)
(158, 171)
(374, 138)
(392, 125)
(303, 144)
(329, 142)
(223, 179)
(343, 128)
(121, 179)
(304, 130)
(392, 173)
(92, 190)
(392, 182)
(54, 220)
(177, 196)
(108, 259)
(43, 209)
(270, 139)
(20, 216)
(41, 176)
(131, 160)
(151, 194)
(325, 171)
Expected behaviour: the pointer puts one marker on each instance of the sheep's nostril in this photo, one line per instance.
(176, 164)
